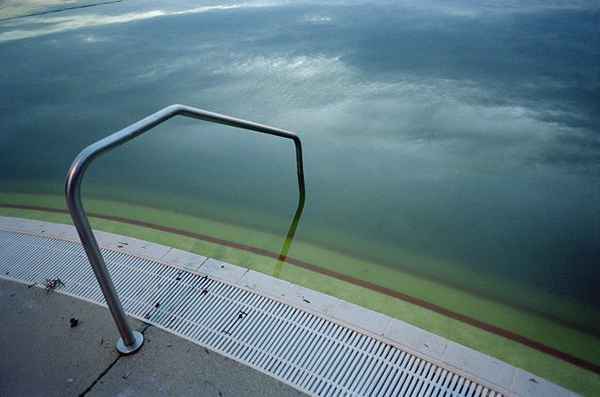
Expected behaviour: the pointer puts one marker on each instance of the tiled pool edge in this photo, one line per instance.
(459, 359)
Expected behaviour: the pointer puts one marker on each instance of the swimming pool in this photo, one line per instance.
(450, 150)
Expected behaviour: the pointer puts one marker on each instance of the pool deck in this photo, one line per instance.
(44, 356)
(474, 365)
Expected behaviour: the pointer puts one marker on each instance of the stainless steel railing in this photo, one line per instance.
(130, 341)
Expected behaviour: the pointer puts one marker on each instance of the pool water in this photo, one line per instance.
(453, 143)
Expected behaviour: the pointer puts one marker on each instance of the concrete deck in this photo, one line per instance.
(43, 356)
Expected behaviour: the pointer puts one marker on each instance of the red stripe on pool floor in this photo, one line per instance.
(581, 363)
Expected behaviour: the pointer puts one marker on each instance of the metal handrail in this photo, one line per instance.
(130, 341)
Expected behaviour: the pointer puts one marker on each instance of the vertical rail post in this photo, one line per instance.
(130, 340)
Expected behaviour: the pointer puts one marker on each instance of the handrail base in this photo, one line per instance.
(123, 349)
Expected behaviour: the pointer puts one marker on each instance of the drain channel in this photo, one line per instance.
(307, 351)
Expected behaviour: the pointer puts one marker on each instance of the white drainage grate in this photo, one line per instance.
(309, 352)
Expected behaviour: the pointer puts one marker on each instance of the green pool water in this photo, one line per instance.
(451, 149)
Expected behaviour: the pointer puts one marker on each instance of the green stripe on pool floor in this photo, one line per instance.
(532, 326)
